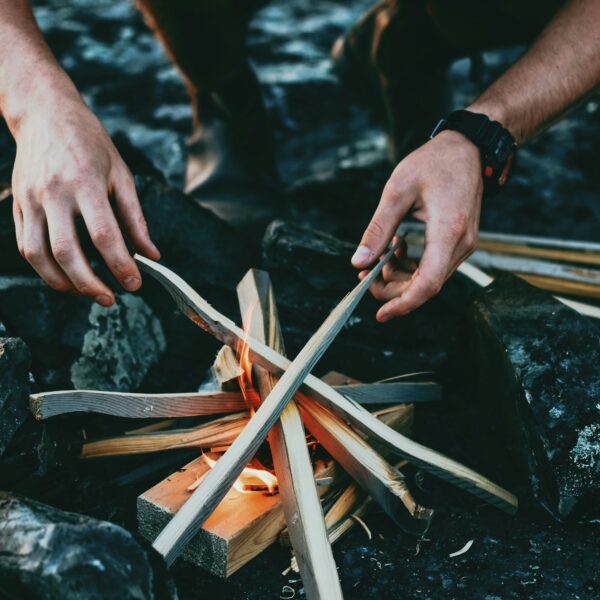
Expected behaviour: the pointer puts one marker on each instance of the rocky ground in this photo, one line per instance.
(332, 160)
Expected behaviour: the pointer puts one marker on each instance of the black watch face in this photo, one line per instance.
(502, 150)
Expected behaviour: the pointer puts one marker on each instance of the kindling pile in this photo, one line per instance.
(282, 397)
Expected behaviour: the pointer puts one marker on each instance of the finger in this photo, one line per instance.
(439, 257)
(37, 253)
(70, 257)
(384, 291)
(131, 214)
(18, 219)
(391, 210)
(108, 239)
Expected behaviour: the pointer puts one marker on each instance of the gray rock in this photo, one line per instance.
(14, 387)
(537, 365)
(50, 554)
(121, 345)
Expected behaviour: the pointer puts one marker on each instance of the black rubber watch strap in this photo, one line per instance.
(497, 146)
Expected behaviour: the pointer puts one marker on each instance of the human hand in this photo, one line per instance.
(67, 166)
(441, 184)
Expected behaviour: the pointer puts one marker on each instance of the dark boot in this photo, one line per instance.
(231, 166)
(394, 60)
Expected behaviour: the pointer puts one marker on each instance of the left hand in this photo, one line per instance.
(441, 184)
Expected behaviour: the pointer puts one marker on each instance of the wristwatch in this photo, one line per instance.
(496, 145)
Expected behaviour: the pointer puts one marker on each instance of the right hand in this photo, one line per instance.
(67, 166)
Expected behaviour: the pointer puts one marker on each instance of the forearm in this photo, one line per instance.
(30, 76)
(560, 68)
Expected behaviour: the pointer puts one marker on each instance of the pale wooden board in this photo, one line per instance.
(240, 528)
(142, 406)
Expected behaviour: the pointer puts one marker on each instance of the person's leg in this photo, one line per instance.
(401, 49)
(232, 144)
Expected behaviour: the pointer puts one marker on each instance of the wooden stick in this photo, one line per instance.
(301, 505)
(205, 316)
(562, 286)
(543, 268)
(203, 501)
(226, 367)
(190, 404)
(214, 433)
(574, 251)
(392, 393)
(154, 426)
(50, 404)
(366, 466)
(483, 279)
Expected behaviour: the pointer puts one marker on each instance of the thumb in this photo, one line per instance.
(380, 230)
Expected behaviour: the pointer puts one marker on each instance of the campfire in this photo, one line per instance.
(304, 487)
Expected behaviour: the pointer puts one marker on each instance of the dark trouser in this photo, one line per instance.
(403, 48)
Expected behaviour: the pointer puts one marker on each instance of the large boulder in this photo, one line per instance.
(120, 346)
(50, 554)
(14, 387)
(537, 366)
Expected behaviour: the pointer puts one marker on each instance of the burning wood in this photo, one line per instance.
(287, 440)
(358, 440)
(206, 317)
(219, 431)
(203, 501)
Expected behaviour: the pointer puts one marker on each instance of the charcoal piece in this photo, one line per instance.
(537, 365)
(14, 387)
(51, 554)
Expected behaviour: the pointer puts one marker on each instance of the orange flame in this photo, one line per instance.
(250, 480)
(245, 379)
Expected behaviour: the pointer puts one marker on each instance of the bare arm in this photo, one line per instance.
(561, 67)
(441, 184)
(66, 166)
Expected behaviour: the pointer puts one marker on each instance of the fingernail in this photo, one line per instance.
(155, 248)
(361, 256)
(104, 300)
(131, 283)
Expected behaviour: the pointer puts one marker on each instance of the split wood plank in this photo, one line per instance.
(141, 406)
(126, 404)
(214, 433)
(287, 439)
(242, 526)
(206, 317)
(550, 275)
(204, 500)
(384, 483)
(574, 251)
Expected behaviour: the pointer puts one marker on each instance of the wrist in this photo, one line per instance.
(47, 95)
(497, 110)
